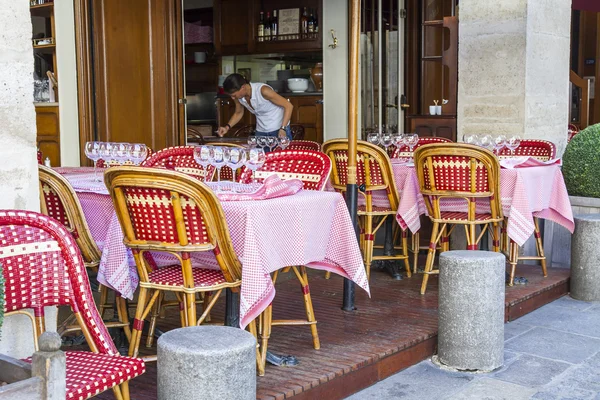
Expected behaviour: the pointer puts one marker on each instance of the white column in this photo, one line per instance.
(18, 166)
(335, 70)
(513, 68)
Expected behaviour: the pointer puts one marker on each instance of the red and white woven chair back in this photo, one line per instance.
(572, 131)
(542, 150)
(43, 267)
(304, 145)
(311, 167)
(404, 151)
(55, 207)
(180, 159)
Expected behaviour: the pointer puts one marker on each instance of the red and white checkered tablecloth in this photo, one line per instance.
(525, 193)
(308, 228)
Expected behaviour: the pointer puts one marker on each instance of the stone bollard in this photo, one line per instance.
(585, 258)
(206, 363)
(471, 310)
(49, 363)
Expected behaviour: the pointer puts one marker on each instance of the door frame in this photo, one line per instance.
(85, 73)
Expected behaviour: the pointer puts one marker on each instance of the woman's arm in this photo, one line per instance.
(235, 118)
(276, 99)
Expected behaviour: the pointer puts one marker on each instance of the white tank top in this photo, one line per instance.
(268, 115)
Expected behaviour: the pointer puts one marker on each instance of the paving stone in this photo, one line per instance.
(554, 344)
(512, 329)
(563, 319)
(509, 356)
(563, 392)
(571, 303)
(419, 382)
(493, 389)
(530, 370)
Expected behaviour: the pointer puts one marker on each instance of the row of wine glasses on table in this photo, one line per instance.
(233, 157)
(268, 141)
(386, 139)
(118, 152)
(494, 143)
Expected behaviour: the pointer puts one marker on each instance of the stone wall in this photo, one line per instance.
(513, 68)
(18, 163)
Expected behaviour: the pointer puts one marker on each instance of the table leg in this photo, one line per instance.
(232, 308)
(352, 204)
(388, 250)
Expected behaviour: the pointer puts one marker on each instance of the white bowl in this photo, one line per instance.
(297, 85)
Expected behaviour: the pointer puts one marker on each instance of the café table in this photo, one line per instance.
(309, 228)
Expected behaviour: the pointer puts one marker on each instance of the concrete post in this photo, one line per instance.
(471, 310)
(513, 68)
(49, 363)
(585, 258)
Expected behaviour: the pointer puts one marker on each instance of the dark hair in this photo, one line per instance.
(233, 83)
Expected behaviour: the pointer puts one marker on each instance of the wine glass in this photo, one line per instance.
(486, 142)
(256, 158)
(118, 153)
(261, 141)
(252, 141)
(237, 158)
(137, 152)
(218, 159)
(373, 138)
(499, 143)
(105, 151)
(411, 140)
(386, 140)
(512, 143)
(284, 142)
(471, 138)
(92, 151)
(202, 156)
(272, 141)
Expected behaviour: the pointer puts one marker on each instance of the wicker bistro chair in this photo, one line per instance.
(181, 159)
(43, 267)
(374, 171)
(311, 167)
(542, 150)
(404, 151)
(304, 145)
(59, 200)
(167, 211)
(449, 171)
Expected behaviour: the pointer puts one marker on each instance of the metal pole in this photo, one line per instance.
(380, 33)
(401, 24)
(351, 188)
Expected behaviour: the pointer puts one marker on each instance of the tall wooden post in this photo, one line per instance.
(351, 187)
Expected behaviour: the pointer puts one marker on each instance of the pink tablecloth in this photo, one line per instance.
(525, 193)
(307, 228)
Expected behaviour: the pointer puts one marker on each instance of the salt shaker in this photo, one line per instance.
(47, 162)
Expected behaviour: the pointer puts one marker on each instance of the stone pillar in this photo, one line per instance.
(49, 363)
(471, 310)
(585, 258)
(205, 363)
(513, 68)
(18, 166)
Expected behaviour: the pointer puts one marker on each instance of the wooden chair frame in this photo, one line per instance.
(370, 220)
(219, 241)
(78, 227)
(444, 226)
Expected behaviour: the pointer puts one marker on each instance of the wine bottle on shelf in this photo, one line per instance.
(274, 26)
(268, 27)
(311, 23)
(304, 22)
(261, 27)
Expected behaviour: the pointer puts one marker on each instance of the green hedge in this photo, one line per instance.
(581, 163)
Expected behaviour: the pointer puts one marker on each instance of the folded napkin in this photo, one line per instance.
(271, 187)
(523, 162)
(86, 183)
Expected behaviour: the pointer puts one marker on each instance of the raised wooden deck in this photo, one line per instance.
(393, 330)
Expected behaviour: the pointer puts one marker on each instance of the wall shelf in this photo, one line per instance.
(42, 10)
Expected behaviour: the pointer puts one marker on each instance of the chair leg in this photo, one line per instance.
(252, 330)
(405, 252)
(103, 300)
(117, 392)
(327, 275)
(206, 300)
(430, 256)
(265, 333)
(369, 238)
(416, 239)
(540, 246)
(513, 258)
(445, 240)
(125, 390)
(310, 312)
(123, 313)
(496, 237)
(209, 307)
(154, 315)
(138, 322)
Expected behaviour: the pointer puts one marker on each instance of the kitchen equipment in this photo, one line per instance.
(316, 74)
(285, 74)
(199, 57)
(277, 86)
(201, 108)
(298, 85)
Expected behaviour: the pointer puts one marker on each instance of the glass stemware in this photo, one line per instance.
(118, 153)
(218, 159)
(499, 144)
(256, 158)
(237, 158)
(386, 140)
(512, 143)
(411, 140)
(137, 152)
(373, 138)
(202, 157)
(252, 141)
(487, 142)
(272, 141)
(261, 141)
(471, 138)
(284, 142)
(92, 151)
(398, 140)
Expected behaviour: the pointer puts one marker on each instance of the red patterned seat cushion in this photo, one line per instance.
(463, 216)
(90, 373)
(172, 276)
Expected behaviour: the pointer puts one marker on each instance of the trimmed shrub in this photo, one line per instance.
(581, 163)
